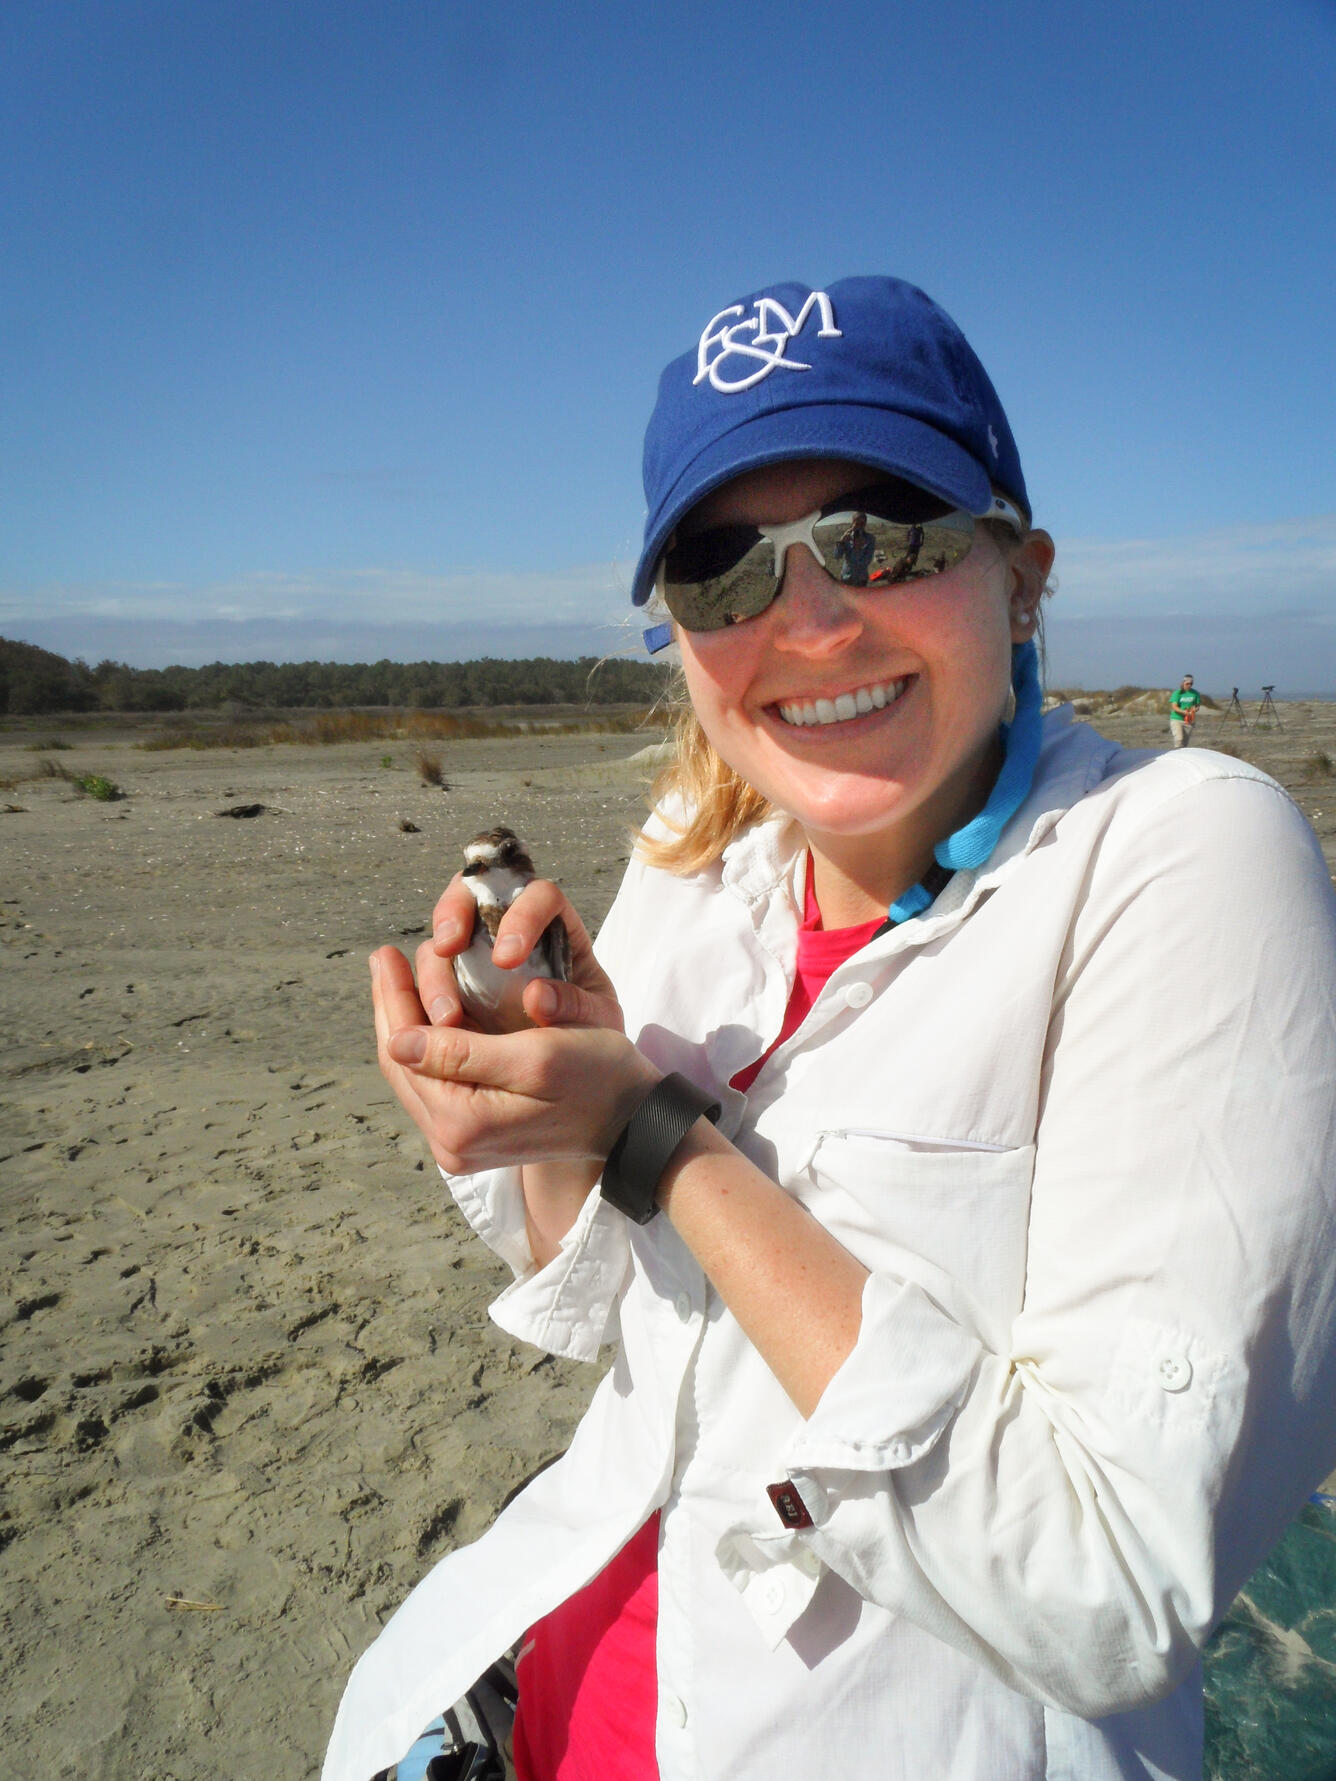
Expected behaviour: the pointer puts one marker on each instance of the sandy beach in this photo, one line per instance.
(248, 1388)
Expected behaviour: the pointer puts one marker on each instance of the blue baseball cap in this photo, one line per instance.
(870, 369)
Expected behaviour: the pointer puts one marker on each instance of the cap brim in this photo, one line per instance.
(884, 440)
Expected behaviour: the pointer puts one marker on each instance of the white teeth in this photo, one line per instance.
(844, 706)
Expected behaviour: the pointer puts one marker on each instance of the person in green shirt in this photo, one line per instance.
(1183, 712)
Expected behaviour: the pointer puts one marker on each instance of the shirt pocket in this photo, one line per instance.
(952, 1217)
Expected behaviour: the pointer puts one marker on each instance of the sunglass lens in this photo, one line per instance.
(716, 577)
(704, 556)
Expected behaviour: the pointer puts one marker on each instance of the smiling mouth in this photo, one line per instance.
(805, 714)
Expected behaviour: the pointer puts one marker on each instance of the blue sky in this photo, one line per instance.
(330, 330)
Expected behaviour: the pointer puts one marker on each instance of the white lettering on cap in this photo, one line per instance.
(772, 328)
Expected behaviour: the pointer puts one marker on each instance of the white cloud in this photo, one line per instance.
(1236, 605)
(1285, 566)
(399, 595)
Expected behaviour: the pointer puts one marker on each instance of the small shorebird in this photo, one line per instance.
(496, 869)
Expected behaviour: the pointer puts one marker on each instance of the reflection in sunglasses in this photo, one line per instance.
(725, 574)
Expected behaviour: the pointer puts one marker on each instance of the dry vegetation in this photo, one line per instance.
(1135, 700)
(330, 727)
(428, 764)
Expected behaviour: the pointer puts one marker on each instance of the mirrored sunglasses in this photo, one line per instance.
(883, 536)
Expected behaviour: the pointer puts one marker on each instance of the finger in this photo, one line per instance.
(459, 1055)
(398, 991)
(452, 918)
(394, 996)
(437, 989)
(549, 1003)
(389, 969)
(527, 919)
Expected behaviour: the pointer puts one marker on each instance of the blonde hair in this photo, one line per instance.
(716, 803)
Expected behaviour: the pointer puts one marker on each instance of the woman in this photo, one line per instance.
(1183, 711)
(971, 1360)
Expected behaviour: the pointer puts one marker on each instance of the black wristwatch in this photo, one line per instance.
(651, 1135)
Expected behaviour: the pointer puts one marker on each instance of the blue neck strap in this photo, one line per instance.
(969, 847)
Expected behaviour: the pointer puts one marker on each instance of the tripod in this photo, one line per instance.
(1267, 710)
(1234, 710)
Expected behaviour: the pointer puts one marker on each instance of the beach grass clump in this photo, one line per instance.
(46, 747)
(429, 769)
(97, 785)
(1318, 765)
(89, 785)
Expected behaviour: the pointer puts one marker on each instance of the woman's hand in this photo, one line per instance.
(484, 1100)
(587, 1000)
(552, 1099)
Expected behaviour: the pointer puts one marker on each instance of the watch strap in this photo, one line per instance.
(647, 1142)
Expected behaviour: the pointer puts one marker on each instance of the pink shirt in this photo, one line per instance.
(588, 1687)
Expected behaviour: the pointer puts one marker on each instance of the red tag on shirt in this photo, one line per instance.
(789, 1506)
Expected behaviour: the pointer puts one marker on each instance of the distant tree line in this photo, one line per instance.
(34, 681)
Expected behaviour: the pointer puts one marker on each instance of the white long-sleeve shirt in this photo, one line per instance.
(1079, 1122)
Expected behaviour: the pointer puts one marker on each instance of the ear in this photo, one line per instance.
(1028, 570)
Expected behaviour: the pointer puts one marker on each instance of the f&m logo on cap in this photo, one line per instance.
(770, 329)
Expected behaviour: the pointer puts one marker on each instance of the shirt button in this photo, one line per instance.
(858, 995)
(772, 1595)
(682, 1305)
(900, 1451)
(1173, 1370)
(674, 1709)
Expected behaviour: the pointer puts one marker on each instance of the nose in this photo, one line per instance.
(815, 615)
